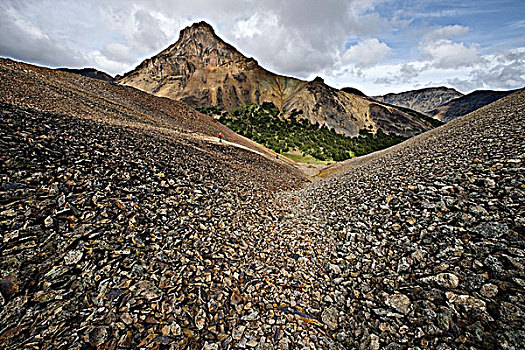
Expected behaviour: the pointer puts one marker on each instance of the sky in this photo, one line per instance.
(377, 46)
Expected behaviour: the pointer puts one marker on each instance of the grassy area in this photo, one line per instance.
(299, 158)
(302, 141)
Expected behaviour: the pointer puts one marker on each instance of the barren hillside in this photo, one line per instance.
(421, 100)
(119, 228)
(429, 237)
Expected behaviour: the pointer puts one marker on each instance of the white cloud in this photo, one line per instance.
(253, 25)
(24, 39)
(118, 52)
(408, 71)
(367, 53)
(103, 63)
(303, 38)
(446, 32)
(446, 53)
(503, 71)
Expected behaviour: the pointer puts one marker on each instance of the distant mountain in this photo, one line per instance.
(354, 91)
(422, 100)
(466, 104)
(203, 70)
(90, 73)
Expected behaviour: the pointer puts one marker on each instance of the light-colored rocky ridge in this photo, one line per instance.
(421, 100)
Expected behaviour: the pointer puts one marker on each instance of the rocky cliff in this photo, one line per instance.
(203, 70)
(421, 100)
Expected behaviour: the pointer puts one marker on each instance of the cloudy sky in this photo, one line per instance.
(378, 46)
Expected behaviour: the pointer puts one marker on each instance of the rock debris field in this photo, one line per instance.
(129, 235)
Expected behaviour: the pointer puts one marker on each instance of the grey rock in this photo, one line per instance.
(400, 302)
(330, 318)
(489, 290)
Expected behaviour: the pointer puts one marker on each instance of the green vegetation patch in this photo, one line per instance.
(264, 125)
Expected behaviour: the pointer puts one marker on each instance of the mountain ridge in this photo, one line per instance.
(89, 72)
(421, 100)
(467, 103)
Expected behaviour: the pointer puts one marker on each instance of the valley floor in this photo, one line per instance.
(118, 236)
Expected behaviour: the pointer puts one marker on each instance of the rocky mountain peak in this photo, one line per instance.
(318, 79)
(199, 45)
(197, 28)
(203, 70)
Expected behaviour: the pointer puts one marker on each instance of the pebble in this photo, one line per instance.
(330, 317)
(489, 290)
(400, 302)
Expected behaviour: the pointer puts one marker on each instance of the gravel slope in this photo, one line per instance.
(430, 249)
(123, 234)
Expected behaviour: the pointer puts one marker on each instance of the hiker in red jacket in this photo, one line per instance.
(220, 137)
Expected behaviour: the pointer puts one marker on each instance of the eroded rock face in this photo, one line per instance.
(202, 70)
(465, 104)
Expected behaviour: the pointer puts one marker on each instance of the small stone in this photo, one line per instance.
(330, 318)
(400, 302)
(126, 318)
(165, 330)
(238, 332)
(478, 210)
(490, 183)
(251, 317)
(374, 342)
(335, 269)
(443, 321)
(489, 290)
(200, 319)
(493, 264)
(48, 222)
(210, 346)
(492, 229)
(447, 280)
(73, 257)
(175, 329)
(98, 336)
(252, 343)
(9, 285)
(466, 300)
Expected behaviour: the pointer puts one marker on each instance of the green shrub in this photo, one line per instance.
(264, 125)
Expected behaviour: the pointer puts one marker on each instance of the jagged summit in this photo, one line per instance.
(201, 69)
(202, 31)
(199, 25)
